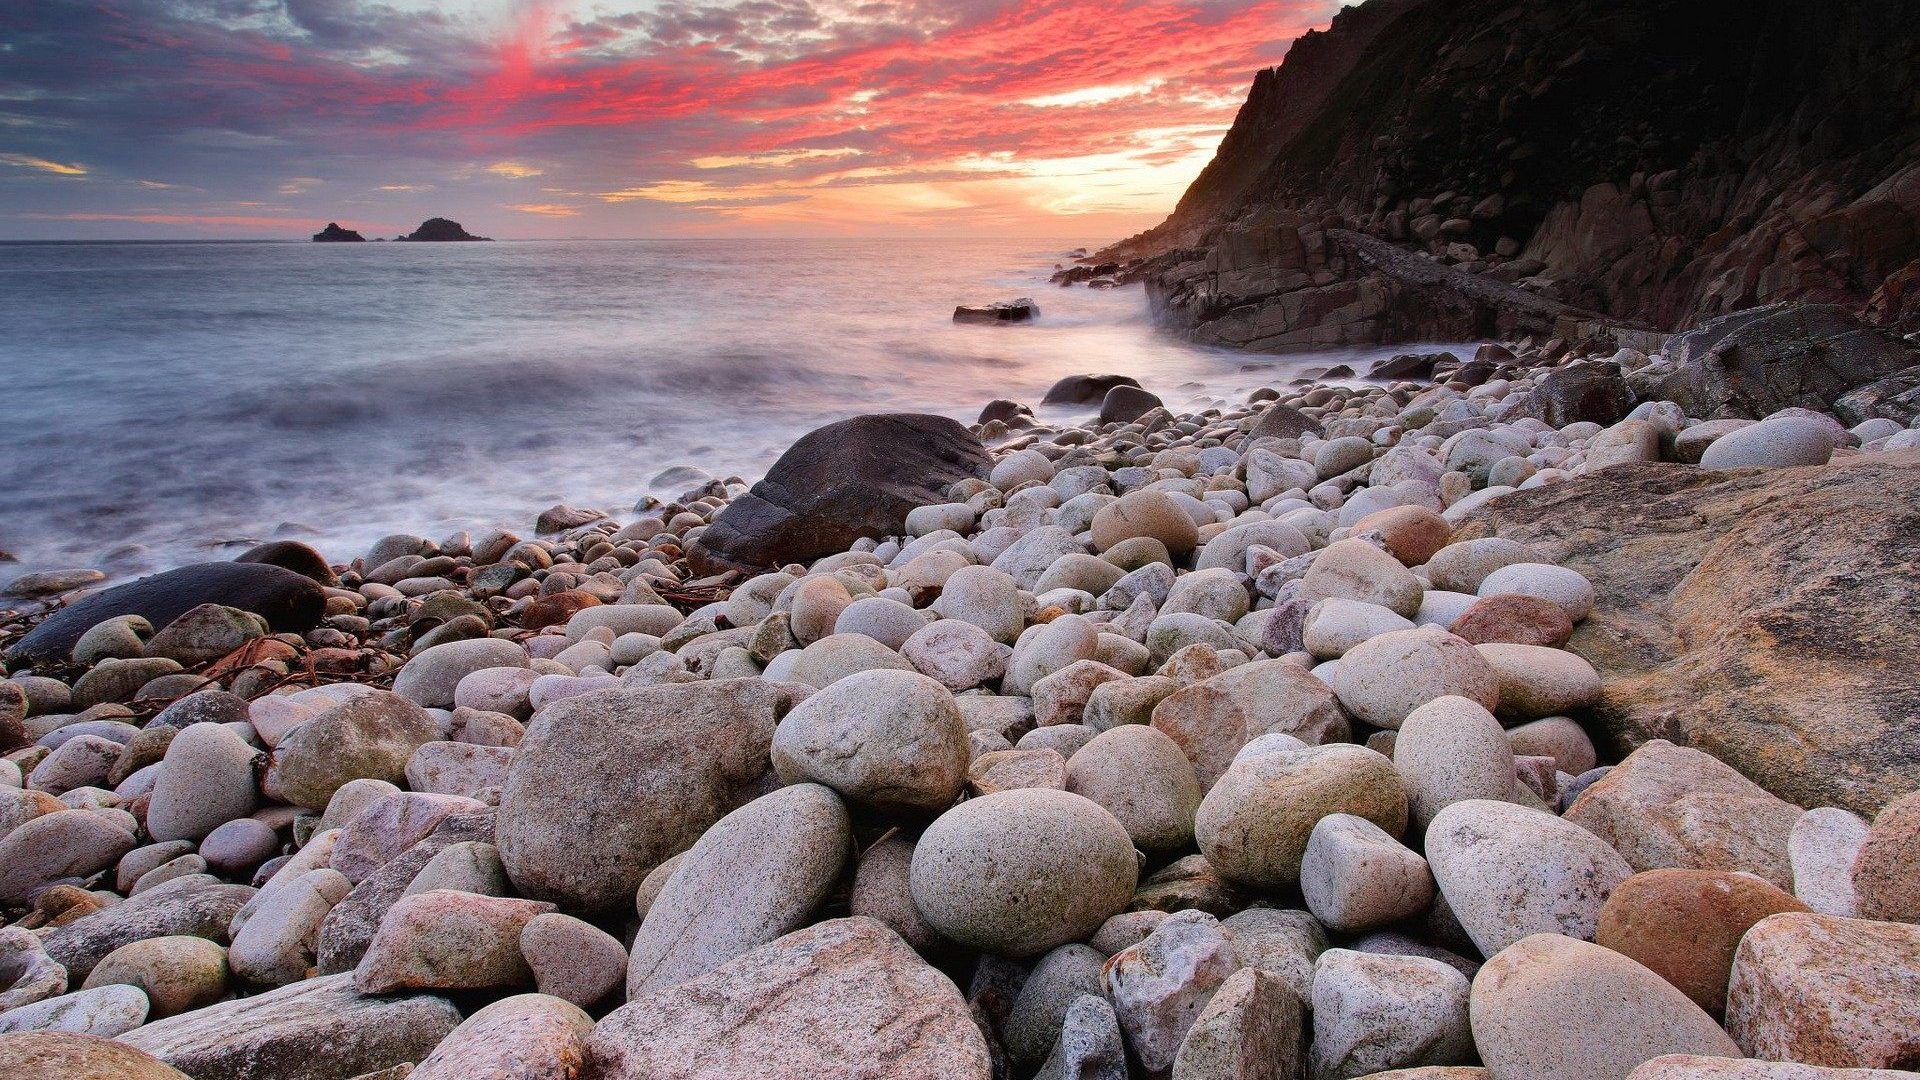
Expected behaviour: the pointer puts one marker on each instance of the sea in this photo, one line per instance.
(166, 403)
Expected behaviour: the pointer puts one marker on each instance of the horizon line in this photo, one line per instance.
(501, 240)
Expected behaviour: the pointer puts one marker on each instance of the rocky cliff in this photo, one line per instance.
(1649, 161)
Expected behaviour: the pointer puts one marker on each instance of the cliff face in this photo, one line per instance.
(1653, 161)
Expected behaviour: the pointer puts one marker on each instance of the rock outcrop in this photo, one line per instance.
(334, 234)
(852, 479)
(1659, 164)
(437, 229)
(1779, 356)
(1755, 614)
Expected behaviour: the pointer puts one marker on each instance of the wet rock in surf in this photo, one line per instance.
(839, 483)
(1085, 389)
(288, 601)
(291, 555)
(1005, 311)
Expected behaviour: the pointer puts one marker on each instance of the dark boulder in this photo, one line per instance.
(1761, 615)
(1085, 389)
(1282, 421)
(1002, 410)
(1006, 311)
(1471, 373)
(852, 479)
(288, 601)
(292, 555)
(1756, 362)
(440, 229)
(1896, 397)
(1410, 365)
(334, 234)
(1125, 404)
(1591, 392)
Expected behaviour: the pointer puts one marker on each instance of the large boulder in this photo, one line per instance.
(842, 998)
(320, 1029)
(852, 479)
(47, 1055)
(608, 784)
(288, 601)
(1765, 359)
(1759, 616)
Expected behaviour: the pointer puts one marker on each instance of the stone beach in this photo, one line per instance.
(1164, 746)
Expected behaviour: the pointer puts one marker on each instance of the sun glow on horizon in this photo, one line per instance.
(722, 117)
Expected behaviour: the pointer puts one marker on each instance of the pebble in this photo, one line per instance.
(104, 1012)
(430, 677)
(369, 737)
(1152, 514)
(1684, 925)
(1012, 768)
(840, 991)
(1508, 871)
(389, 827)
(178, 974)
(1550, 1007)
(1820, 850)
(1355, 876)
(1020, 872)
(206, 779)
(1545, 581)
(1389, 676)
(1160, 986)
(1556, 737)
(447, 768)
(1774, 443)
(680, 755)
(882, 891)
(1513, 618)
(469, 866)
(65, 843)
(756, 874)
(1249, 1030)
(1373, 1013)
(276, 943)
(1886, 870)
(1827, 991)
(893, 740)
(448, 940)
(1090, 1045)
(1141, 777)
(1461, 567)
(82, 761)
(515, 1038)
(1253, 826)
(237, 846)
(1357, 570)
(1668, 805)
(322, 1025)
(1039, 1013)
(1538, 681)
(1448, 750)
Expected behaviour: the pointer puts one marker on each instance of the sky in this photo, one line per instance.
(581, 118)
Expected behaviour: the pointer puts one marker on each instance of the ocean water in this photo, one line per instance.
(167, 403)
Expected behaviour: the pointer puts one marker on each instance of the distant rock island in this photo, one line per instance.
(441, 229)
(334, 234)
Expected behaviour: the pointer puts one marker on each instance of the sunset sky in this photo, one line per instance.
(525, 118)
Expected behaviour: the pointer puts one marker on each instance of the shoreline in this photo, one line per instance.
(935, 701)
